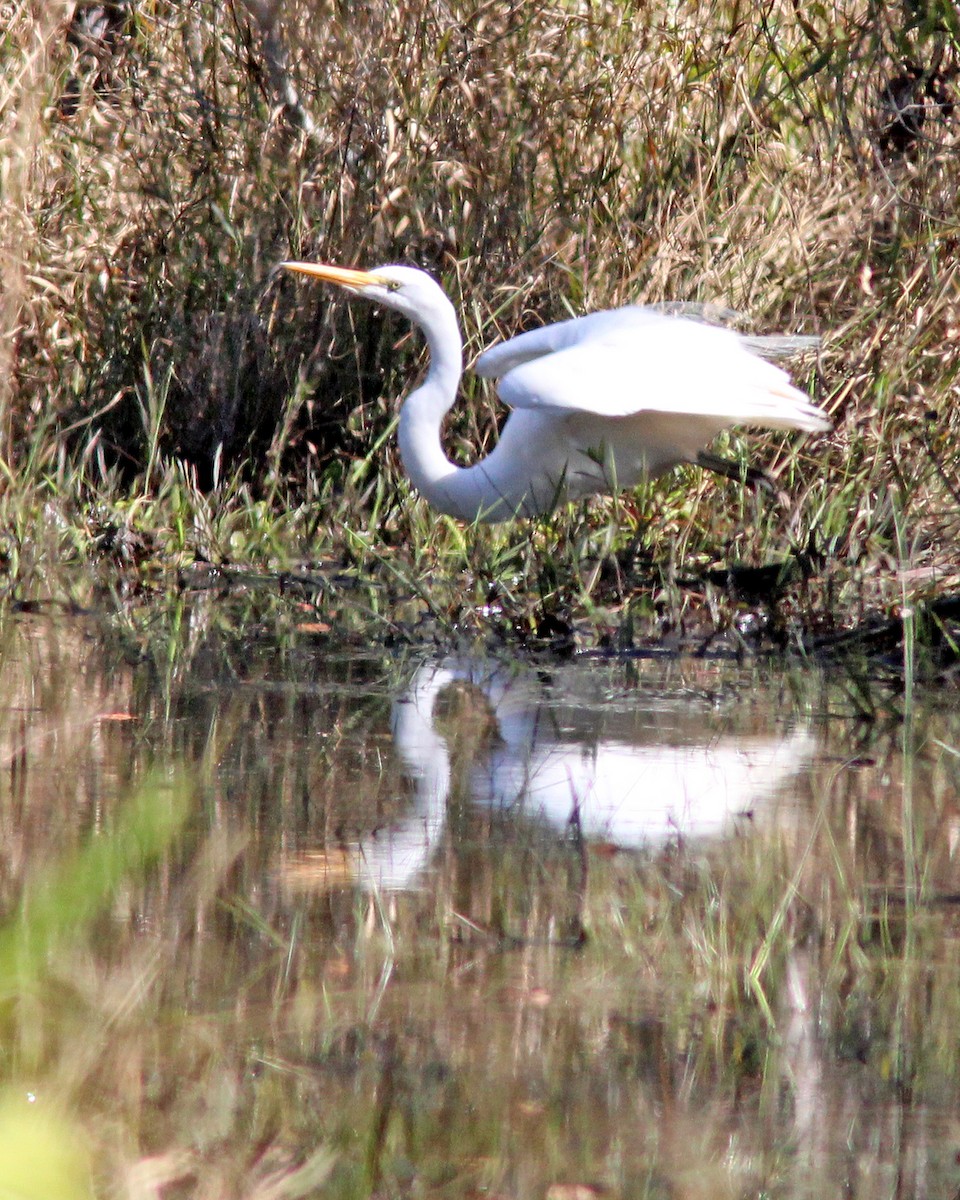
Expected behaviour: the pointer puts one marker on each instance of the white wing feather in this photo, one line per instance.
(632, 360)
(499, 360)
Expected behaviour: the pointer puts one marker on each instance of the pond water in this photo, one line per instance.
(286, 915)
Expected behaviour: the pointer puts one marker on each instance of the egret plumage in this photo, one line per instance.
(599, 403)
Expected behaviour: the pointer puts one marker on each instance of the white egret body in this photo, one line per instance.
(599, 402)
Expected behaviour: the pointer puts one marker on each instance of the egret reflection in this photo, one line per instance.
(634, 773)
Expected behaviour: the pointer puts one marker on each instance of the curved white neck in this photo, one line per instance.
(421, 416)
(469, 493)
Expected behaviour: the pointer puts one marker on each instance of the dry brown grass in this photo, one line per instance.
(540, 160)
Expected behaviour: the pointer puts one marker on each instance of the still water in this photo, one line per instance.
(287, 915)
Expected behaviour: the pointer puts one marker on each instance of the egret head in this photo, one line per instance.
(406, 289)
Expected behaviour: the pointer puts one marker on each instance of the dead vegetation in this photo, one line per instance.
(159, 159)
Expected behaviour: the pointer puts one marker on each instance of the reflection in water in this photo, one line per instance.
(775, 1014)
(631, 787)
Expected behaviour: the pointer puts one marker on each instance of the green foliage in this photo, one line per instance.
(42, 1154)
(60, 902)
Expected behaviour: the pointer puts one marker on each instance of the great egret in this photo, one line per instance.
(599, 402)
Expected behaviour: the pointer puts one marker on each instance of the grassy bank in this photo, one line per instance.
(167, 397)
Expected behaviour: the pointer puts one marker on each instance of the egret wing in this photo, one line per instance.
(525, 347)
(660, 364)
(499, 360)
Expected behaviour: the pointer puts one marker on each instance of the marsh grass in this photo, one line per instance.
(159, 377)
